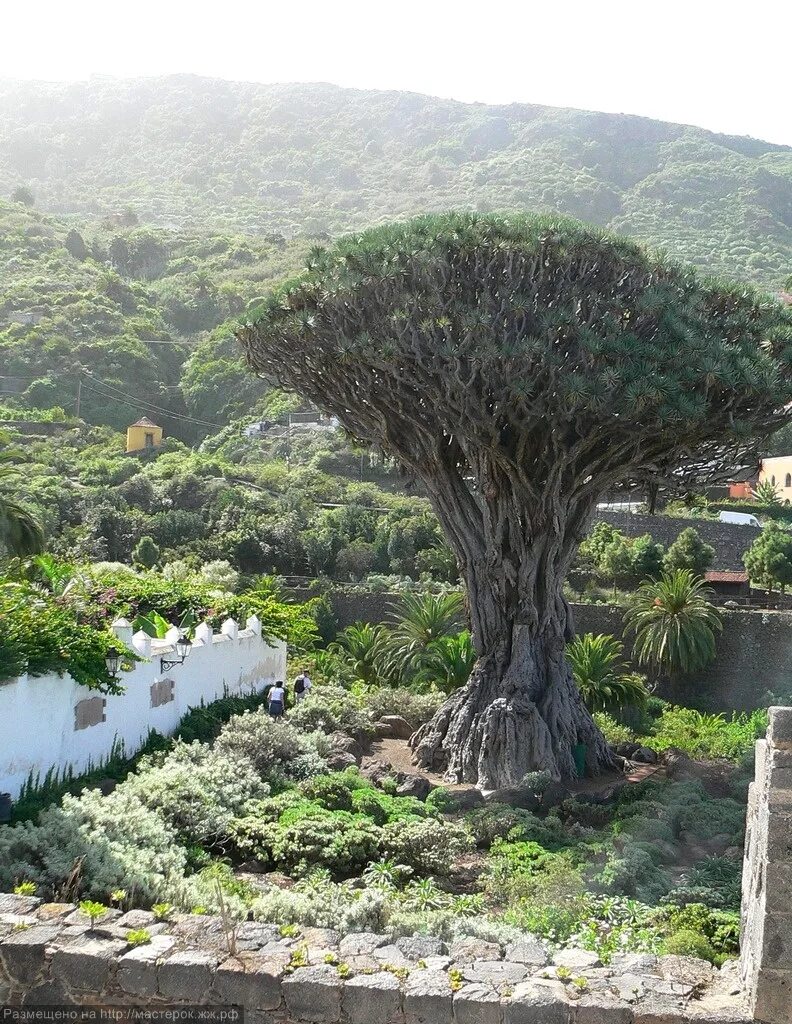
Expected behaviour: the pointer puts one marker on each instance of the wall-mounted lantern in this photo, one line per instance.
(183, 648)
(112, 661)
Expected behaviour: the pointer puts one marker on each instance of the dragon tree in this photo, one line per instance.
(519, 367)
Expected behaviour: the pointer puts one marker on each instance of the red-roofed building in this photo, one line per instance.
(728, 583)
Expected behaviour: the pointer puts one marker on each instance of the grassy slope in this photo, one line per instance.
(191, 152)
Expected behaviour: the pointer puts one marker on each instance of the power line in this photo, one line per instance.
(143, 405)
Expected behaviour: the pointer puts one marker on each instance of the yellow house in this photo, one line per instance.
(778, 472)
(142, 435)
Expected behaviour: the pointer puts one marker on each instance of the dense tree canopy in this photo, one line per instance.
(519, 366)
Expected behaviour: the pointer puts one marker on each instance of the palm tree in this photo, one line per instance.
(449, 660)
(600, 672)
(20, 532)
(364, 648)
(674, 623)
(422, 620)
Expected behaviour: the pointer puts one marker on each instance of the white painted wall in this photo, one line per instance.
(37, 712)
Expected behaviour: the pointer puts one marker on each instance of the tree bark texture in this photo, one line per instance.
(521, 710)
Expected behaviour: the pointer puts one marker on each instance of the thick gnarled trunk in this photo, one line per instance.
(520, 712)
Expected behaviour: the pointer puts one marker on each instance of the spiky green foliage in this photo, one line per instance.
(767, 492)
(449, 660)
(364, 648)
(475, 331)
(422, 620)
(768, 561)
(674, 622)
(601, 674)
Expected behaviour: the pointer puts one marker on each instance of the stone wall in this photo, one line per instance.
(754, 651)
(766, 961)
(729, 540)
(49, 955)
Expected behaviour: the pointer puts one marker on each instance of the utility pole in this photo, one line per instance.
(79, 395)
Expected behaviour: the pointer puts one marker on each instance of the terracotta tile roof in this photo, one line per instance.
(728, 576)
(145, 422)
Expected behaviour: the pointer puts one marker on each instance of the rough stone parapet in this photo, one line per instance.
(766, 954)
(50, 953)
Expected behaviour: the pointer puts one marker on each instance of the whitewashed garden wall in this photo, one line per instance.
(51, 720)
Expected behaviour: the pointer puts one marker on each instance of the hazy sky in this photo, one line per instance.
(723, 66)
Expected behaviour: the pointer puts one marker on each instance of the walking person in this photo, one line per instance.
(302, 686)
(276, 700)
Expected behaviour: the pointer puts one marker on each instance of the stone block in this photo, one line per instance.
(779, 837)
(361, 944)
(49, 913)
(477, 1004)
(322, 938)
(500, 973)
(601, 1008)
(779, 731)
(393, 956)
(313, 994)
(250, 980)
(528, 951)
(46, 993)
(372, 999)
(12, 904)
(538, 1002)
(187, 975)
(88, 712)
(660, 1010)
(137, 969)
(419, 947)
(428, 998)
(778, 888)
(136, 919)
(254, 934)
(23, 953)
(776, 951)
(465, 951)
(576, 959)
(772, 997)
(88, 965)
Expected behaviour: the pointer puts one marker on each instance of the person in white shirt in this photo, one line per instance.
(302, 686)
(276, 700)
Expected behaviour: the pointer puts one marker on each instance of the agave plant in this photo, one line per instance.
(767, 492)
(674, 622)
(600, 672)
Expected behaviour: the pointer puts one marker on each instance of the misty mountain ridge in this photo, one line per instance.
(194, 153)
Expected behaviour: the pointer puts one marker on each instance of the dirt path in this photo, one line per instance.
(397, 753)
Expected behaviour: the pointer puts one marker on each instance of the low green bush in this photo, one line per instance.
(707, 736)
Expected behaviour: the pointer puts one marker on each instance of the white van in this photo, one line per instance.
(739, 519)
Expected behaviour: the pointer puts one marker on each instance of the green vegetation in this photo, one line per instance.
(601, 673)
(768, 561)
(674, 623)
(436, 340)
(267, 159)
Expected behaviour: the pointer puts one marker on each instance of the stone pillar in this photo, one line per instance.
(766, 954)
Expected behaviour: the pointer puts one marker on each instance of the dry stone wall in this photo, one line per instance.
(50, 955)
(767, 877)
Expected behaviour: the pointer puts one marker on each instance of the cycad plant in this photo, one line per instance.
(674, 622)
(449, 660)
(365, 649)
(20, 532)
(601, 674)
(421, 621)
